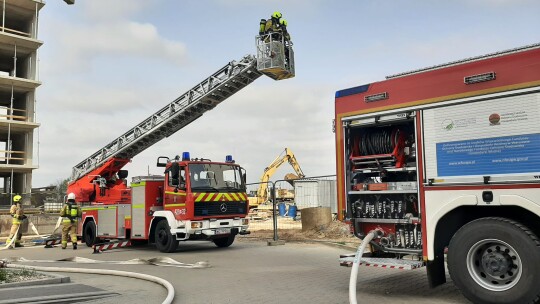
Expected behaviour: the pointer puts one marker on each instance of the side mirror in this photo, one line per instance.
(122, 174)
(175, 181)
(175, 171)
(162, 161)
(244, 178)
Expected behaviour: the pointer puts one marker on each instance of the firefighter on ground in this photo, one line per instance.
(70, 214)
(17, 213)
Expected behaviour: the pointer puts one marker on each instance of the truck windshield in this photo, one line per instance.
(215, 177)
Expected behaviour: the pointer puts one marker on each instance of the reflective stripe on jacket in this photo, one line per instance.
(70, 213)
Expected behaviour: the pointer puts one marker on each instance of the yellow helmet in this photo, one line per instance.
(17, 198)
(276, 15)
(283, 22)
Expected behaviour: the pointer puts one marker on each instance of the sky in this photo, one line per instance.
(105, 66)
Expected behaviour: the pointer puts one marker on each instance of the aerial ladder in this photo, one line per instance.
(262, 195)
(99, 177)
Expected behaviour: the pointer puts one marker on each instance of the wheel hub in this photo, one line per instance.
(162, 236)
(494, 264)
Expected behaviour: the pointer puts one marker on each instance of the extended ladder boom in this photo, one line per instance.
(191, 105)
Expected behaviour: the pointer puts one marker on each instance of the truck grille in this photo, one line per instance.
(219, 208)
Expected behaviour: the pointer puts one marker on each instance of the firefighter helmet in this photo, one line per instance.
(283, 22)
(276, 15)
(16, 198)
(71, 196)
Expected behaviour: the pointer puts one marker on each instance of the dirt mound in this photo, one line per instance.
(336, 231)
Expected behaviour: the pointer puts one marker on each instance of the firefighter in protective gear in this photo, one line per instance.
(17, 213)
(286, 39)
(70, 213)
(283, 29)
(272, 26)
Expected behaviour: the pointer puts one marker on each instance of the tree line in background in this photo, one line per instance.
(54, 193)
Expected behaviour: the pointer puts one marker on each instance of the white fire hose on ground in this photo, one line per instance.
(141, 276)
(356, 263)
(10, 243)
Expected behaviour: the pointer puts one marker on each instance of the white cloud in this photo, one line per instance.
(108, 10)
(105, 29)
(85, 43)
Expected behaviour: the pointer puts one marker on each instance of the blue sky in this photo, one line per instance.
(107, 65)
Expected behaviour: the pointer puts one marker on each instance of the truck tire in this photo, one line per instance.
(89, 234)
(495, 260)
(165, 241)
(225, 241)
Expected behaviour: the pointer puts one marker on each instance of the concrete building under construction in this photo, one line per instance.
(18, 83)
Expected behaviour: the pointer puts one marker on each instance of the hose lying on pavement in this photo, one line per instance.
(8, 244)
(356, 263)
(159, 261)
(141, 276)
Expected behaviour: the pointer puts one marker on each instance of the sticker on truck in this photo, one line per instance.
(499, 136)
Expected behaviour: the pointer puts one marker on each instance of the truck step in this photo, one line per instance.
(348, 260)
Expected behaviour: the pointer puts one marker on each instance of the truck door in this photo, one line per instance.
(175, 195)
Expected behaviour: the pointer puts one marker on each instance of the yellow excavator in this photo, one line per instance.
(263, 193)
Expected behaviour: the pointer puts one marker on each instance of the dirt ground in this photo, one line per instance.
(335, 232)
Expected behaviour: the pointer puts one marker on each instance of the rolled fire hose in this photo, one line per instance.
(356, 263)
(141, 276)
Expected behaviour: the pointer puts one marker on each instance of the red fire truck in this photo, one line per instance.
(445, 160)
(195, 198)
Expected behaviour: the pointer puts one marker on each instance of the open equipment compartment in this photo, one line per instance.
(382, 182)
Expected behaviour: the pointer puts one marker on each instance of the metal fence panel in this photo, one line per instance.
(291, 196)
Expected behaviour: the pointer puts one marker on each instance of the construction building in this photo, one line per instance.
(18, 83)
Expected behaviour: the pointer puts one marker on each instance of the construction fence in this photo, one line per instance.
(281, 206)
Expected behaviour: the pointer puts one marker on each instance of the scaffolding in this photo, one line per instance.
(18, 82)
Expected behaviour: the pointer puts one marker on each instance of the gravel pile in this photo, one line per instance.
(19, 275)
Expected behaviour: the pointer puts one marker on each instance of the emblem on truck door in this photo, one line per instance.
(223, 207)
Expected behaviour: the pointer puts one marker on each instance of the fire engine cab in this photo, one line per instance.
(446, 160)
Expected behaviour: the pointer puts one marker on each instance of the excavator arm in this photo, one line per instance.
(285, 156)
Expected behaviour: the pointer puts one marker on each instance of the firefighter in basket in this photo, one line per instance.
(70, 214)
(17, 213)
(270, 27)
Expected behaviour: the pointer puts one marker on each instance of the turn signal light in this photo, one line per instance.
(195, 225)
(245, 221)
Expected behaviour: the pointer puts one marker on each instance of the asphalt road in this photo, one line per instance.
(248, 272)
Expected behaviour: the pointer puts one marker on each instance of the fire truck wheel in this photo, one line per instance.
(224, 242)
(165, 242)
(90, 234)
(495, 260)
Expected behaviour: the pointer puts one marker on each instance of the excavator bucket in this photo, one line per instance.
(275, 57)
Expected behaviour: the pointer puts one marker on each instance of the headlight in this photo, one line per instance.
(245, 221)
(195, 225)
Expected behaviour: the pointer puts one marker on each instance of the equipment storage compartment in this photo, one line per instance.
(382, 182)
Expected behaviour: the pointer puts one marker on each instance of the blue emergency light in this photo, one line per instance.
(229, 159)
(185, 156)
